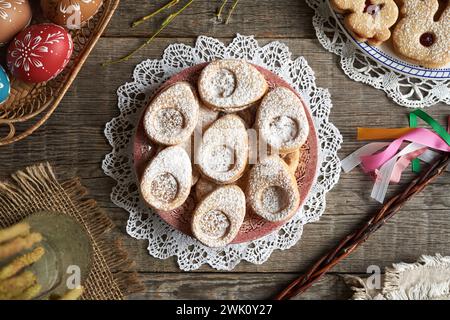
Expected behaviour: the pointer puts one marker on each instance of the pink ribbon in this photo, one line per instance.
(403, 163)
(420, 135)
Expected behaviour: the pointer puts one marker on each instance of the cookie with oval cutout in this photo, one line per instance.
(172, 115)
(281, 120)
(218, 217)
(166, 182)
(223, 153)
(231, 85)
(272, 190)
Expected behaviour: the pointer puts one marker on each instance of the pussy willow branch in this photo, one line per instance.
(154, 13)
(219, 12)
(165, 23)
(352, 241)
(222, 7)
(235, 3)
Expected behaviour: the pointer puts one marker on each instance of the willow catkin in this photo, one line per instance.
(30, 293)
(16, 285)
(19, 263)
(18, 230)
(73, 294)
(17, 245)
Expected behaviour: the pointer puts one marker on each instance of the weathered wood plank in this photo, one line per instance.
(233, 286)
(293, 19)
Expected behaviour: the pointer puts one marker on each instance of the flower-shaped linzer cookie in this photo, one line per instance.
(368, 20)
(423, 33)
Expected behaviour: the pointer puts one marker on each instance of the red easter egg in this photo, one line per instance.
(39, 53)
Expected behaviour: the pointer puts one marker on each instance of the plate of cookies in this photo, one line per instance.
(225, 152)
(408, 36)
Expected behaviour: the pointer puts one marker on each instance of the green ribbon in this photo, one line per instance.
(413, 124)
(433, 123)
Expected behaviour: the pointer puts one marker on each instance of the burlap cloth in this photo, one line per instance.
(37, 189)
(426, 279)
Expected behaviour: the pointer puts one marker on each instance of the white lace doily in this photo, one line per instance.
(405, 91)
(164, 241)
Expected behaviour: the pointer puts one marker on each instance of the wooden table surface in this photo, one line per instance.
(73, 141)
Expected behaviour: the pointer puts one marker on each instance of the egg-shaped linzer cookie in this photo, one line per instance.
(15, 15)
(172, 115)
(71, 14)
(167, 180)
(272, 190)
(231, 85)
(219, 216)
(223, 152)
(281, 120)
(5, 86)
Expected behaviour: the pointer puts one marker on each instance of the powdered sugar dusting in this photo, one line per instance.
(417, 20)
(223, 153)
(165, 187)
(273, 191)
(169, 122)
(167, 180)
(274, 199)
(172, 115)
(218, 217)
(215, 224)
(282, 130)
(223, 83)
(230, 85)
(282, 120)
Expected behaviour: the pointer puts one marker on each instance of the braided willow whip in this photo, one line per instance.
(352, 241)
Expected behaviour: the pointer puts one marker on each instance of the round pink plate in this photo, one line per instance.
(253, 227)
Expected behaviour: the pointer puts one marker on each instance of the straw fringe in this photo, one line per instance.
(24, 193)
(424, 285)
(425, 290)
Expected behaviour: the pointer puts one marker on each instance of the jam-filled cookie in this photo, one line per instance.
(368, 20)
(423, 32)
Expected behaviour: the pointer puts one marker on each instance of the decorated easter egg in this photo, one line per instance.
(39, 53)
(71, 14)
(15, 15)
(5, 86)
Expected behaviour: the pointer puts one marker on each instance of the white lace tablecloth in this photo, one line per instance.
(163, 240)
(405, 91)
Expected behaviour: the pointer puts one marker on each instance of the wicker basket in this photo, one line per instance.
(30, 105)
